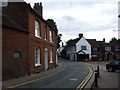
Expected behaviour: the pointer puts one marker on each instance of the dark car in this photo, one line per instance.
(113, 65)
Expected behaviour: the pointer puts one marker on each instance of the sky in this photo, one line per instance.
(96, 19)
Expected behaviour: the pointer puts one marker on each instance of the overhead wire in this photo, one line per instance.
(68, 25)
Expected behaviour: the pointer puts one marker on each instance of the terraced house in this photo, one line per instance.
(28, 42)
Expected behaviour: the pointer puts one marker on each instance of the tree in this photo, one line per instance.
(59, 40)
(54, 26)
(113, 40)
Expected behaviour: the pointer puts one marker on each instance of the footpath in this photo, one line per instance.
(107, 80)
(27, 79)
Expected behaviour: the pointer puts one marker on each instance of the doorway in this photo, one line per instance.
(46, 58)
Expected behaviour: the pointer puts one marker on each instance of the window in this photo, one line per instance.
(117, 48)
(51, 56)
(107, 48)
(45, 33)
(51, 39)
(37, 29)
(3, 3)
(83, 48)
(37, 56)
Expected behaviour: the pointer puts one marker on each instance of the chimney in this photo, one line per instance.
(103, 39)
(80, 35)
(38, 8)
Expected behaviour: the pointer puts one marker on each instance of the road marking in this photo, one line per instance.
(84, 82)
(73, 79)
(27, 82)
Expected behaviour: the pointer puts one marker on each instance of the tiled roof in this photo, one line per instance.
(72, 42)
(92, 42)
(11, 22)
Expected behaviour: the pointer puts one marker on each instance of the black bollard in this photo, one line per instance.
(98, 72)
(96, 78)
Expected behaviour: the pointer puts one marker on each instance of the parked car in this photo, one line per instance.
(113, 65)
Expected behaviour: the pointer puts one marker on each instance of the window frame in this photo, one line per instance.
(83, 47)
(45, 33)
(107, 48)
(51, 36)
(117, 48)
(37, 56)
(37, 29)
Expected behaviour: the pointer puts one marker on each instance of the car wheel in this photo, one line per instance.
(110, 69)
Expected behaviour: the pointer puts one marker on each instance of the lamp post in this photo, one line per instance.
(118, 27)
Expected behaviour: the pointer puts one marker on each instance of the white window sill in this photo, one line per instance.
(45, 39)
(38, 37)
(51, 41)
(51, 61)
(37, 65)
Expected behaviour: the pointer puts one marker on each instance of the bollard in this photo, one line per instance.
(98, 72)
(96, 79)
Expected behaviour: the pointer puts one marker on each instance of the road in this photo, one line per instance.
(70, 77)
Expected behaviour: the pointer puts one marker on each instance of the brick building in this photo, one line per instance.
(28, 42)
(100, 50)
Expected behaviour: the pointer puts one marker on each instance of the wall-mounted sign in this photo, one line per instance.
(17, 55)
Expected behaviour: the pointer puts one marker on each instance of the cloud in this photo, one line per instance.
(82, 16)
(68, 18)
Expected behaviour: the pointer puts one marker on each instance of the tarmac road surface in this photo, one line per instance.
(70, 77)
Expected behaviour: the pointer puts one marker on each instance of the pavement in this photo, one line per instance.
(107, 80)
(14, 82)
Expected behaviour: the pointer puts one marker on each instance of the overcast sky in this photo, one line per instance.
(96, 19)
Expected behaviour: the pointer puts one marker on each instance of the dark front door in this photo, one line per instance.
(81, 57)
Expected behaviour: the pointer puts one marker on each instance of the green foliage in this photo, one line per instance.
(59, 40)
(52, 24)
(114, 40)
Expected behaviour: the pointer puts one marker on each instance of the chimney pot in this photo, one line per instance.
(37, 3)
(38, 8)
(103, 39)
(40, 4)
(80, 35)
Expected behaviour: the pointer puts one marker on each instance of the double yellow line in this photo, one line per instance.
(27, 82)
(84, 82)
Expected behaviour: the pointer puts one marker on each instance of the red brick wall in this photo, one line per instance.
(40, 42)
(14, 40)
(19, 10)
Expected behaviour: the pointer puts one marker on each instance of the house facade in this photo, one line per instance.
(28, 42)
(96, 49)
(112, 51)
(104, 51)
(78, 49)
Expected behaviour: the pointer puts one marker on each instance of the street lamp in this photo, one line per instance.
(115, 30)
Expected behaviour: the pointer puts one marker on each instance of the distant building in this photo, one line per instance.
(81, 49)
(96, 49)
(28, 42)
(59, 50)
(78, 49)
